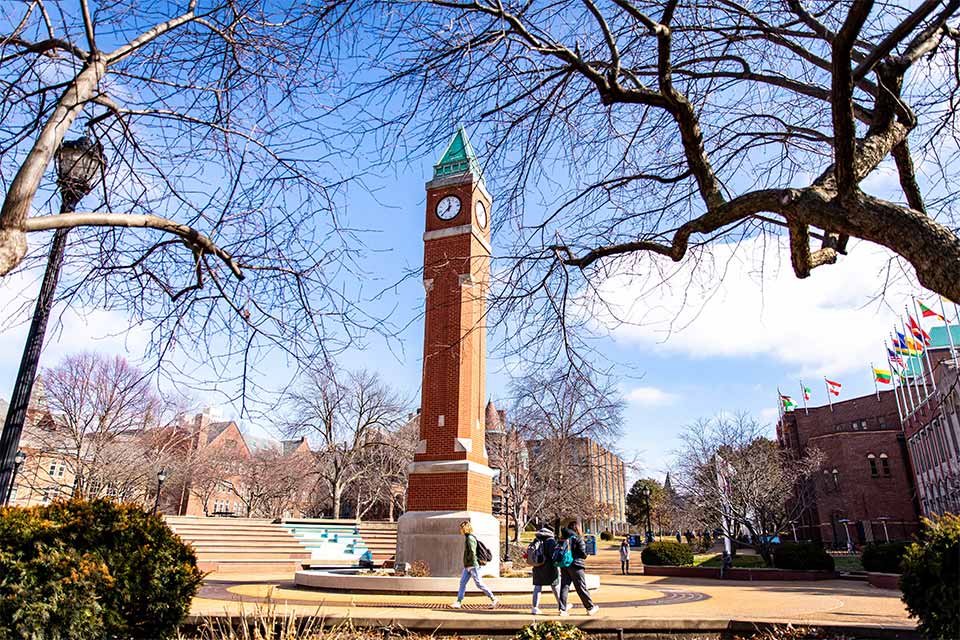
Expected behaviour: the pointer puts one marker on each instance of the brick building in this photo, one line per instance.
(865, 486)
(932, 426)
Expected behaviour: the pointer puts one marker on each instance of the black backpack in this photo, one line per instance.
(483, 554)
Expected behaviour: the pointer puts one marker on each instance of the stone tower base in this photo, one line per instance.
(434, 538)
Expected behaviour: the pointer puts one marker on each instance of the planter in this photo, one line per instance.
(884, 580)
(738, 573)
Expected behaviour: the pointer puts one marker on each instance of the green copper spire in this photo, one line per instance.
(458, 158)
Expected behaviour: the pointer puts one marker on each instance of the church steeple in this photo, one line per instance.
(458, 158)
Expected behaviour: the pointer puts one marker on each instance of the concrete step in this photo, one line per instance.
(257, 555)
(226, 546)
(250, 566)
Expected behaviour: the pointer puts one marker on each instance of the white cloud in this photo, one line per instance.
(650, 397)
(743, 300)
(769, 415)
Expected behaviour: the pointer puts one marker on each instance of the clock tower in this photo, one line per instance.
(449, 480)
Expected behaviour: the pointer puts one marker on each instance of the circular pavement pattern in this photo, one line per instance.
(223, 590)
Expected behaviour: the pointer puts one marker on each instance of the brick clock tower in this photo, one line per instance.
(449, 479)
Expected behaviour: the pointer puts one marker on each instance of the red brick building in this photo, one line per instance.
(865, 487)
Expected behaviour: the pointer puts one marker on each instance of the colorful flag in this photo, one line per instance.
(905, 345)
(806, 392)
(883, 376)
(833, 387)
(788, 403)
(927, 312)
(918, 331)
(894, 357)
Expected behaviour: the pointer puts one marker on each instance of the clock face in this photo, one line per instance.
(448, 208)
(481, 215)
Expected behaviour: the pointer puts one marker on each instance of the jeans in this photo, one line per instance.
(624, 567)
(576, 576)
(472, 572)
(536, 595)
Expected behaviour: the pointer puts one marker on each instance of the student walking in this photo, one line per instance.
(545, 573)
(575, 574)
(471, 567)
(625, 557)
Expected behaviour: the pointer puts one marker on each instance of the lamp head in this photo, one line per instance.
(20, 458)
(645, 491)
(161, 475)
(79, 165)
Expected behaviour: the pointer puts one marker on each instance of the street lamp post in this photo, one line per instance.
(793, 527)
(79, 165)
(883, 519)
(18, 461)
(161, 476)
(646, 501)
(846, 527)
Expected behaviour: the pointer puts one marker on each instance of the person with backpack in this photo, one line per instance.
(475, 554)
(545, 573)
(572, 555)
(625, 557)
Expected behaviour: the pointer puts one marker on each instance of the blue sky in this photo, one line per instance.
(700, 345)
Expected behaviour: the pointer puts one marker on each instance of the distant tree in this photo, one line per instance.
(342, 412)
(731, 475)
(557, 412)
(661, 505)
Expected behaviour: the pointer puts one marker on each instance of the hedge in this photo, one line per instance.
(801, 556)
(666, 554)
(885, 557)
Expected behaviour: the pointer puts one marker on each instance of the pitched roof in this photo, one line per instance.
(291, 446)
(492, 421)
(458, 158)
(214, 429)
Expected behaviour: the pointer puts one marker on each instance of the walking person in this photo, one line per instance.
(679, 539)
(545, 573)
(625, 557)
(575, 573)
(471, 567)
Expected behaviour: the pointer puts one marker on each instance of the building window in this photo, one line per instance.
(885, 464)
(56, 469)
(872, 459)
(836, 479)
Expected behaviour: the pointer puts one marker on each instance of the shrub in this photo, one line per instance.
(148, 576)
(884, 558)
(550, 631)
(931, 578)
(801, 556)
(666, 554)
(606, 535)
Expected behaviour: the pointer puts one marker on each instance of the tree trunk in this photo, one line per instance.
(337, 498)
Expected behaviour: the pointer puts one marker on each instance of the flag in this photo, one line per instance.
(788, 403)
(833, 387)
(894, 357)
(905, 345)
(927, 312)
(883, 376)
(918, 331)
(806, 392)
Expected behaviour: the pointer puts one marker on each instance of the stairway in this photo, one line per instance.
(345, 542)
(381, 539)
(240, 544)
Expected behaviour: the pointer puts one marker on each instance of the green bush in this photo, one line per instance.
(884, 558)
(801, 556)
(606, 535)
(666, 554)
(139, 576)
(550, 631)
(931, 578)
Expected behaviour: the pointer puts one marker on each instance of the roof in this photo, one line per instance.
(939, 339)
(492, 420)
(458, 158)
(214, 429)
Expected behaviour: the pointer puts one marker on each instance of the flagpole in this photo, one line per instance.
(892, 379)
(926, 349)
(876, 388)
(829, 399)
(803, 394)
(908, 393)
(946, 325)
(780, 405)
(908, 335)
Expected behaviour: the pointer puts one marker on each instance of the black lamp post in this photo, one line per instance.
(80, 164)
(161, 476)
(646, 501)
(18, 461)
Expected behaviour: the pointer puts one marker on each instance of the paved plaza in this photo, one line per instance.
(630, 602)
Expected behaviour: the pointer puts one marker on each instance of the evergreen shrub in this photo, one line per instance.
(550, 631)
(128, 575)
(801, 556)
(606, 535)
(884, 557)
(666, 553)
(931, 578)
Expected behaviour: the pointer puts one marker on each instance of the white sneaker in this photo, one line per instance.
(592, 610)
(494, 603)
(564, 613)
(535, 611)
(456, 605)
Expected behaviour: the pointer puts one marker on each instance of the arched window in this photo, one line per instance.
(874, 471)
(885, 464)
(836, 479)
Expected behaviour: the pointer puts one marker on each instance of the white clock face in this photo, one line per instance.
(481, 215)
(448, 208)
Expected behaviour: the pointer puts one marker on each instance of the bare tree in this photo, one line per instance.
(205, 110)
(732, 476)
(562, 414)
(382, 483)
(622, 136)
(100, 405)
(342, 413)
